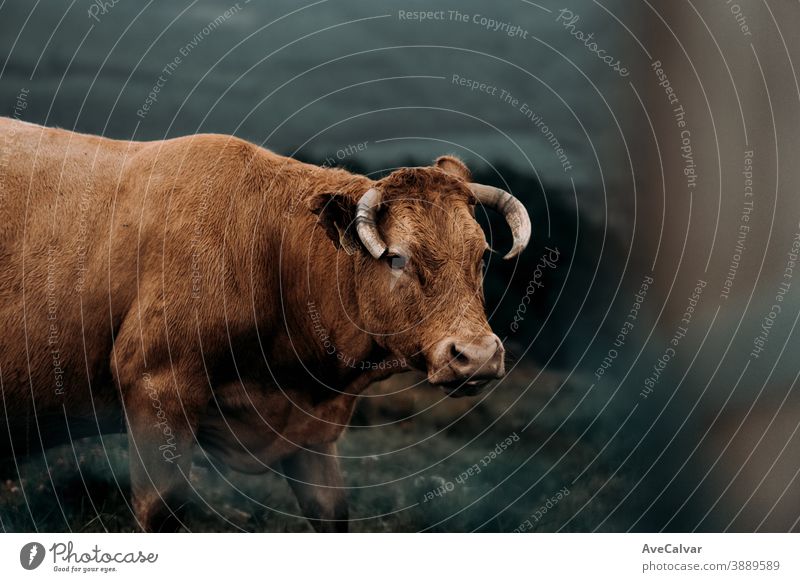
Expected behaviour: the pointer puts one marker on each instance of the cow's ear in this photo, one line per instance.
(453, 166)
(336, 213)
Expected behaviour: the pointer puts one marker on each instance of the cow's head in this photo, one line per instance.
(418, 262)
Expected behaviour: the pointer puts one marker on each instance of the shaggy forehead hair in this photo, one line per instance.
(435, 209)
(426, 183)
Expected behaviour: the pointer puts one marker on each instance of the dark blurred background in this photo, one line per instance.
(598, 159)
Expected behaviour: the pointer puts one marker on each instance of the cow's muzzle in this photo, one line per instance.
(462, 367)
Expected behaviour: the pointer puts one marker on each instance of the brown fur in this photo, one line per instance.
(168, 288)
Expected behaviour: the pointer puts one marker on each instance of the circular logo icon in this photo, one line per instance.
(31, 555)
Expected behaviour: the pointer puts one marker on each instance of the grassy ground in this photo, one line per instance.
(404, 445)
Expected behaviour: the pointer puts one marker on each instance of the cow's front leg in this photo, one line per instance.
(317, 483)
(163, 411)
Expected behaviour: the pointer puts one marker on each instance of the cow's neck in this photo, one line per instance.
(334, 326)
(321, 307)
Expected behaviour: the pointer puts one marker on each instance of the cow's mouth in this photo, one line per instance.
(460, 388)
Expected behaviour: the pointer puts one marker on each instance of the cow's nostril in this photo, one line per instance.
(458, 355)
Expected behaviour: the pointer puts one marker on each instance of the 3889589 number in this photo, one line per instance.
(746, 565)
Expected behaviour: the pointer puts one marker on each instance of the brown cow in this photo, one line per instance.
(182, 291)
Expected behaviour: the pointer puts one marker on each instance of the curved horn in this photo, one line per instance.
(511, 208)
(366, 212)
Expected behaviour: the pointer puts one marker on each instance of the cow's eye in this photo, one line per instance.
(397, 262)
